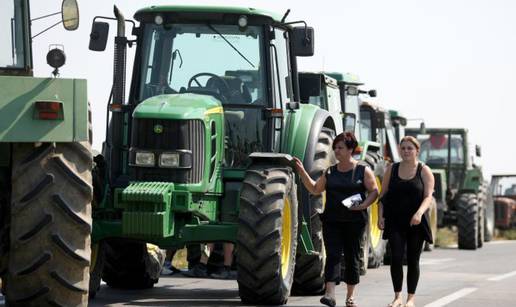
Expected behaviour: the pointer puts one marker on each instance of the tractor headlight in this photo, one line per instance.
(169, 160)
(144, 158)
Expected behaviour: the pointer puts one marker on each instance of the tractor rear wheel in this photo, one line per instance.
(267, 235)
(431, 217)
(130, 265)
(376, 245)
(309, 272)
(50, 225)
(467, 221)
(489, 216)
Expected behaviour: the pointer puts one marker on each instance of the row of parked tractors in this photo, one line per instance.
(200, 151)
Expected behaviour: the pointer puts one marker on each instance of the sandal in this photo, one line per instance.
(410, 305)
(328, 301)
(398, 304)
(350, 302)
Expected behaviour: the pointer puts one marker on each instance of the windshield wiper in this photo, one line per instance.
(230, 44)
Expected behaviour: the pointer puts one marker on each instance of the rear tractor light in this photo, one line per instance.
(48, 110)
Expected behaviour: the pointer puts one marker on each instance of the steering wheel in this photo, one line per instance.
(220, 84)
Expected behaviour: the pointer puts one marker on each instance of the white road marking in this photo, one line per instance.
(452, 297)
(435, 260)
(504, 276)
(500, 242)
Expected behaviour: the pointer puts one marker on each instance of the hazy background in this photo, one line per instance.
(450, 62)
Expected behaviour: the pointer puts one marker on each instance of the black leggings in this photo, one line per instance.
(339, 237)
(413, 240)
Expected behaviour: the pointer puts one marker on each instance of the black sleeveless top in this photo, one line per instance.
(404, 199)
(339, 186)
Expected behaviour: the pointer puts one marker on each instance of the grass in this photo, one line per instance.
(509, 234)
(446, 237)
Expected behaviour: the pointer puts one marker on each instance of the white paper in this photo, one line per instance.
(353, 200)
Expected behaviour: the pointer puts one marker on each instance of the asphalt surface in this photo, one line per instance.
(449, 277)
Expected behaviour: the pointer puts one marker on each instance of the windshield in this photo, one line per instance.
(12, 53)
(434, 148)
(504, 186)
(220, 60)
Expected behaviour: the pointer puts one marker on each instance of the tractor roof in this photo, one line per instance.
(503, 175)
(327, 78)
(347, 78)
(206, 10)
(442, 130)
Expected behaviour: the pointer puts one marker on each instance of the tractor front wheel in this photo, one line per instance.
(309, 273)
(467, 221)
(267, 235)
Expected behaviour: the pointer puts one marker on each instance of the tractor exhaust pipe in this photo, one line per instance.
(120, 59)
(117, 128)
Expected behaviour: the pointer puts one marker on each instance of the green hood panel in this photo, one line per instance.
(178, 106)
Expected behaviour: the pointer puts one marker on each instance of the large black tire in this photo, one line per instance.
(376, 245)
(309, 272)
(267, 235)
(5, 197)
(431, 217)
(489, 215)
(467, 221)
(50, 225)
(128, 265)
(96, 268)
(480, 234)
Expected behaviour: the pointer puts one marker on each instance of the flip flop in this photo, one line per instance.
(328, 301)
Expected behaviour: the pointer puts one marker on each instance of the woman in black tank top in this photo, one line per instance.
(406, 195)
(342, 227)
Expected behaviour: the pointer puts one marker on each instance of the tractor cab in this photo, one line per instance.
(201, 151)
(446, 149)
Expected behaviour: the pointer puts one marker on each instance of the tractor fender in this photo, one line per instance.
(472, 181)
(302, 131)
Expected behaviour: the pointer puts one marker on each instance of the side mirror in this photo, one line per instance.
(98, 36)
(372, 93)
(422, 128)
(302, 41)
(70, 14)
(352, 90)
(293, 105)
(349, 121)
(478, 150)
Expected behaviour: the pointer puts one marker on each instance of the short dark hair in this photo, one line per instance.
(348, 138)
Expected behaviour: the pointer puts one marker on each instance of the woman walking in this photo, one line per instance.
(406, 195)
(342, 227)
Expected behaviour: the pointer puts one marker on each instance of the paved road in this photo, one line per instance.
(450, 277)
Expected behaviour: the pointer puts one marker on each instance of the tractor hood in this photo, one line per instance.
(178, 106)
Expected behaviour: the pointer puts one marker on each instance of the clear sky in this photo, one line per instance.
(451, 62)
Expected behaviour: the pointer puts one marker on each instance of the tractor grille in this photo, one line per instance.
(175, 135)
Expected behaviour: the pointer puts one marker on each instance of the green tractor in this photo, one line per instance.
(201, 149)
(45, 171)
(463, 196)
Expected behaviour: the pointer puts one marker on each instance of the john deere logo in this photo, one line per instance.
(158, 129)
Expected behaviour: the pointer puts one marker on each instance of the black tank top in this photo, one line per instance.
(405, 197)
(339, 186)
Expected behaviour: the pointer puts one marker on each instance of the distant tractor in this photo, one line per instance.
(463, 196)
(201, 149)
(503, 188)
(45, 170)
